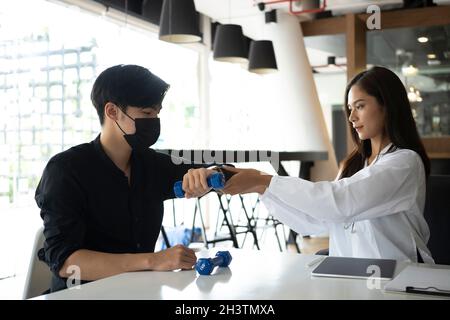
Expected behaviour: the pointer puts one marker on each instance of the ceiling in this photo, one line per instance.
(247, 13)
(391, 47)
(382, 45)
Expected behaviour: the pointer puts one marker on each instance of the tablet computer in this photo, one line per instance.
(360, 268)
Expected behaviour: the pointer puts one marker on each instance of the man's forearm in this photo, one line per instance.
(96, 265)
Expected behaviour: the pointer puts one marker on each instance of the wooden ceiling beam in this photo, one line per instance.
(418, 17)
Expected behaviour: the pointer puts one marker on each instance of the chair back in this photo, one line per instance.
(39, 275)
(437, 215)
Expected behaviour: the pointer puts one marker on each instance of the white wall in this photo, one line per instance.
(331, 90)
(304, 128)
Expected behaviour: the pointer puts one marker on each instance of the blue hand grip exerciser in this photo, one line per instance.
(206, 266)
(215, 181)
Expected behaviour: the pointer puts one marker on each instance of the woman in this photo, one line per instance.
(374, 209)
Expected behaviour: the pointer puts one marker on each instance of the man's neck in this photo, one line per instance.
(117, 150)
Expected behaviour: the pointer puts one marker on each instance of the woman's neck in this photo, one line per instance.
(378, 144)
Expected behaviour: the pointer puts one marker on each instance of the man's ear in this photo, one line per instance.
(111, 111)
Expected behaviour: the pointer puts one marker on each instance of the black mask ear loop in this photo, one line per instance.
(124, 114)
(120, 127)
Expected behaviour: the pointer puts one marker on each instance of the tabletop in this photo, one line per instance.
(252, 275)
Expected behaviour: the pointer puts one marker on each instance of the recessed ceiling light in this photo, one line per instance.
(431, 56)
(422, 39)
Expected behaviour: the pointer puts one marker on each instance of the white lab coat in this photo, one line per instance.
(376, 213)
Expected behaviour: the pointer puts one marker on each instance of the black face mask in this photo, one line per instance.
(147, 133)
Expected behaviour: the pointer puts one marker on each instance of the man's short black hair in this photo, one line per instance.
(127, 85)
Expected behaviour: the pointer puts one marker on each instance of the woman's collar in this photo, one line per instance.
(386, 148)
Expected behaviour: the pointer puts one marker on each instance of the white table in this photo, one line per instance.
(254, 275)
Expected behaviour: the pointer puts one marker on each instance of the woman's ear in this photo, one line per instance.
(111, 111)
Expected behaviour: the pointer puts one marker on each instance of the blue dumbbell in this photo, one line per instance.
(215, 181)
(205, 266)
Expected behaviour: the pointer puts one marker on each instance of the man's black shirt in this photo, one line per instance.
(86, 202)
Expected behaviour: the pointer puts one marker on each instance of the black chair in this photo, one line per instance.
(439, 166)
(437, 215)
(227, 221)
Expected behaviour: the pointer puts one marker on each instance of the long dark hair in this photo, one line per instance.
(400, 126)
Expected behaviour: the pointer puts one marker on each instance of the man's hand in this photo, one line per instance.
(246, 181)
(194, 182)
(177, 257)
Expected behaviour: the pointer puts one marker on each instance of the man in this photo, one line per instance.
(102, 202)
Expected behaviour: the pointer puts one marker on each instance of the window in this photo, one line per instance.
(421, 58)
(48, 62)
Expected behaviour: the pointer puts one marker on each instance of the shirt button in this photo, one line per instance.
(136, 219)
(138, 245)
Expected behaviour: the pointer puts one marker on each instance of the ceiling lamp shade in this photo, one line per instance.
(179, 22)
(229, 44)
(262, 57)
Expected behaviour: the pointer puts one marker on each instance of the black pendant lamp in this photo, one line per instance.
(262, 57)
(179, 22)
(229, 44)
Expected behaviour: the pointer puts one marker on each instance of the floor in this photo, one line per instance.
(12, 288)
(311, 245)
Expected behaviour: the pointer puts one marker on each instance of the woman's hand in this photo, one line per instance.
(246, 181)
(194, 182)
